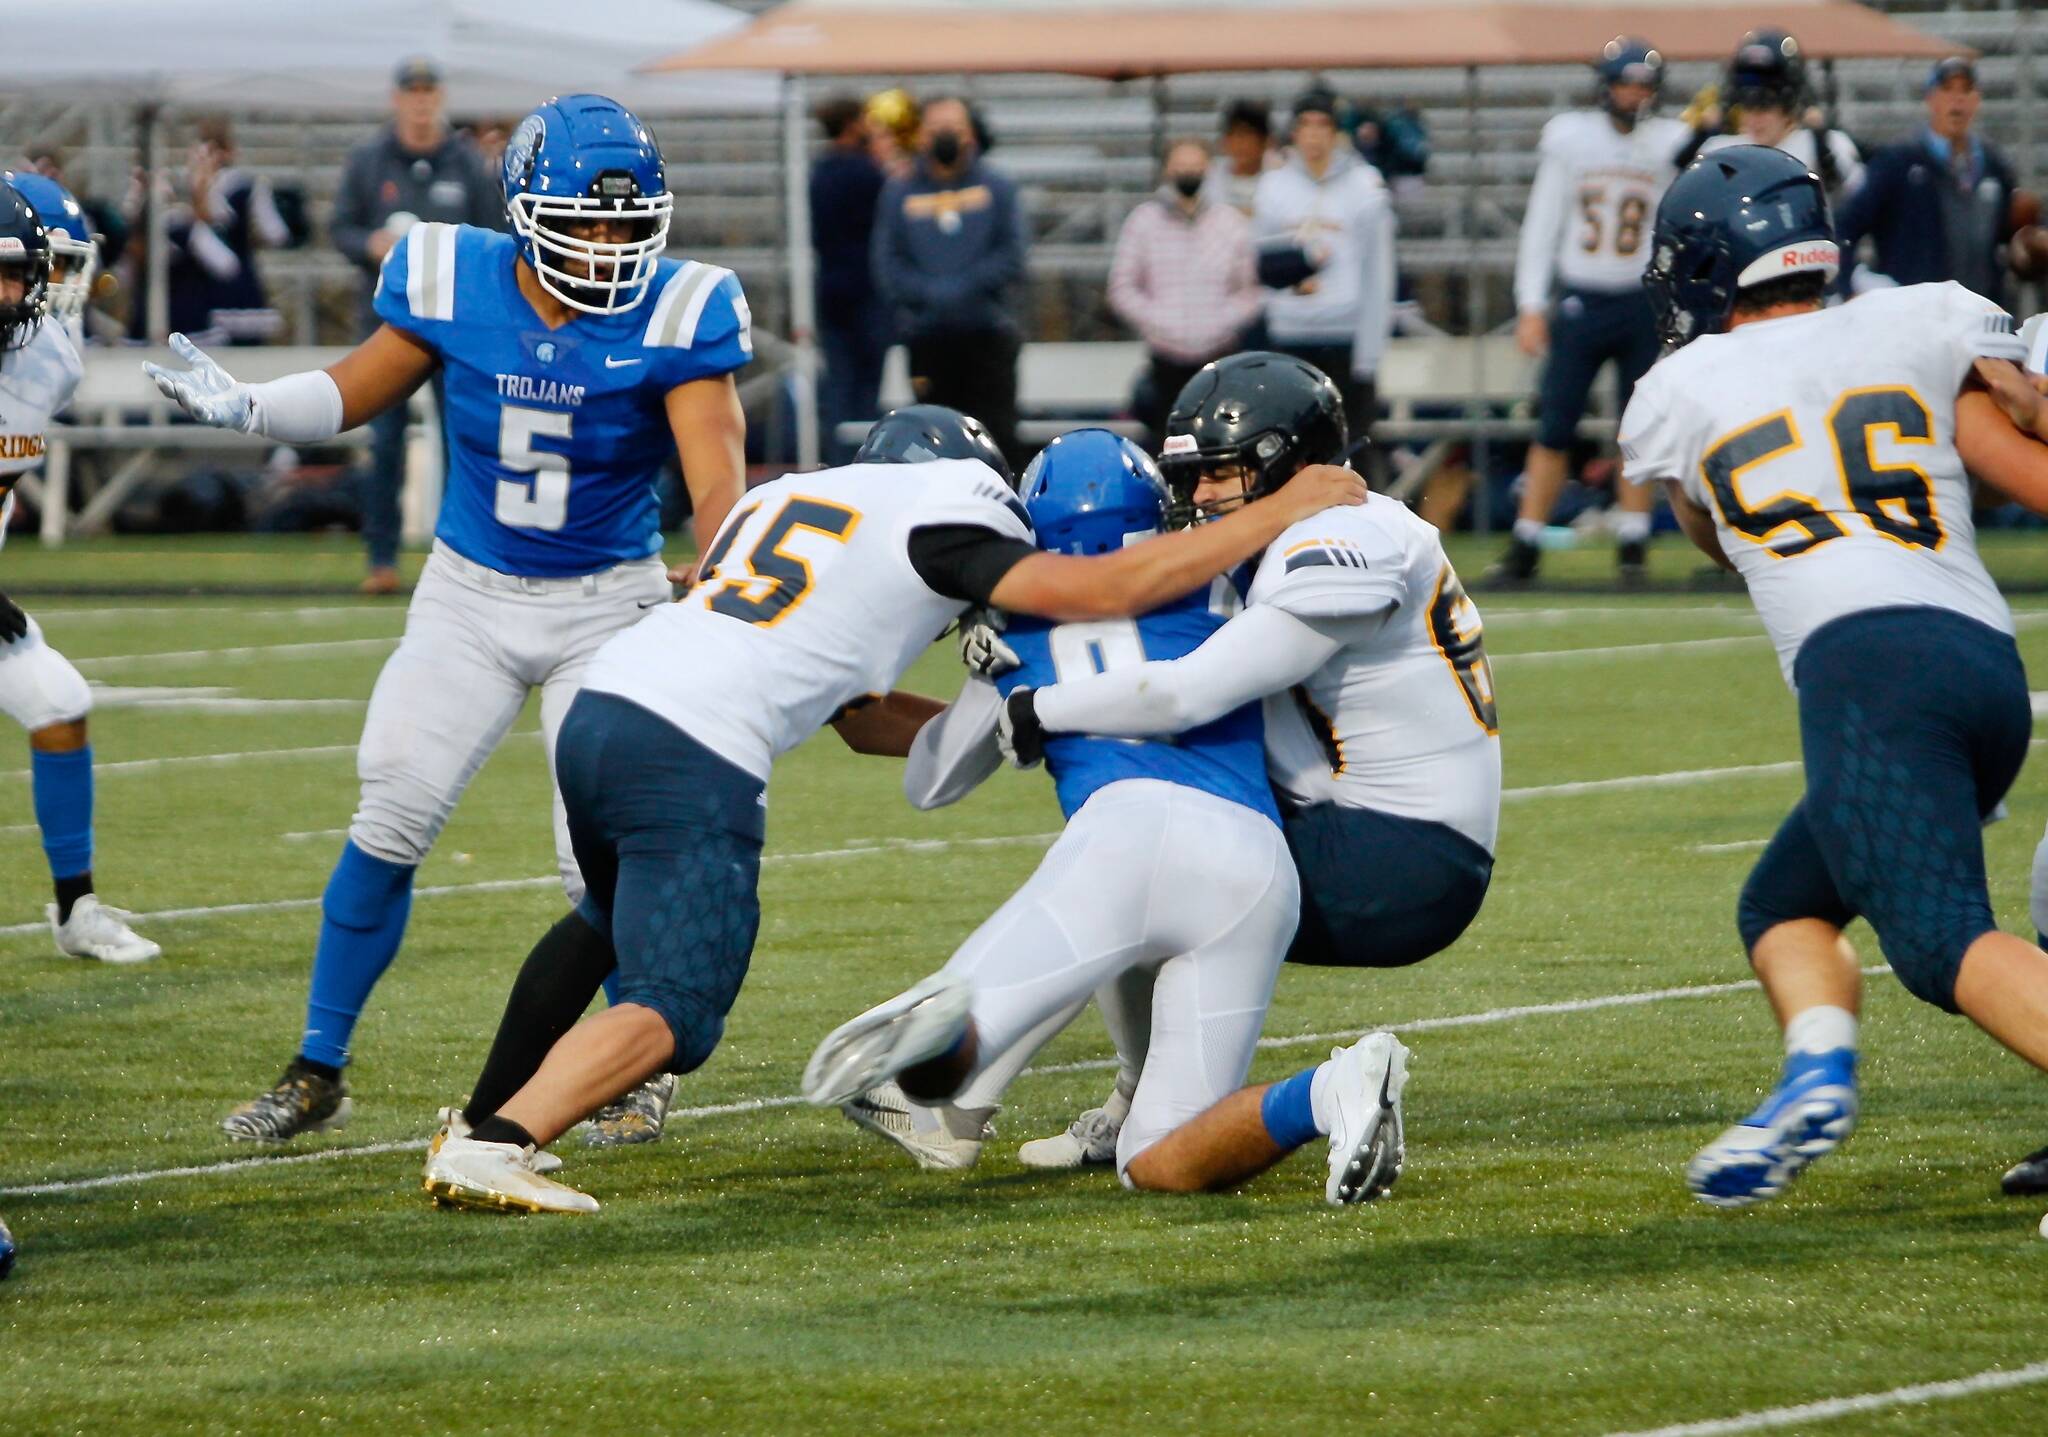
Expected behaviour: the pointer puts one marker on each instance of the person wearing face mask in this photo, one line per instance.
(948, 256)
(1183, 278)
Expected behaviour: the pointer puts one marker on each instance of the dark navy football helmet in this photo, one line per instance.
(1736, 218)
(1767, 71)
(74, 258)
(1269, 414)
(24, 253)
(1626, 60)
(919, 433)
(575, 160)
(1092, 492)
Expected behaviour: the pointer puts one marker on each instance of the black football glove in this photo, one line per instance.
(1018, 732)
(13, 622)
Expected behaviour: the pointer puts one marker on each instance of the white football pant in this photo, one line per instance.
(38, 685)
(476, 643)
(1195, 891)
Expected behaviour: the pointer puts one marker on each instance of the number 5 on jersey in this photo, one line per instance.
(543, 501)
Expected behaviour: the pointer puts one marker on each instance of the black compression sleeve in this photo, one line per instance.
(964, 561)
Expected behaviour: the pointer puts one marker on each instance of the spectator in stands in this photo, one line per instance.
(853, 327)
(414, 169)
(1183, 278)
(949, 248)
(1767, 94)
(1938, 206)
(1247, 153)
(1323, 225)
(213, 231)
(1396, 143)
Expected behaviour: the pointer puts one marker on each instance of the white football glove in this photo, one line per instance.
(207, 392)
(981, 645)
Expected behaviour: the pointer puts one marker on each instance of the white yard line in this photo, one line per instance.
(1612, 651)
(254, 610)
(216, 760)
(209, 699)
(1093, 1065)
(1996, 1380)
(1677, 778)
(312, 833)
(250, 651)
(1740, 845)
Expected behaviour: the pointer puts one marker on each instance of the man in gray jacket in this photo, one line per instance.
(1323, 225)
(948, 254)
(414, 169)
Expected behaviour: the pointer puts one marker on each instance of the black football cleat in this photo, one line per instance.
(1632, 564)
(1517, 565)
(301, 1102)
(2028, 1177)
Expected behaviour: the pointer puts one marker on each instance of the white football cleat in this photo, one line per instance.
(1367, 1148)
(919, 1023)
(1089, 1141)
(454, 1125)
(496, 1177)
(96, 931)
(941, 1138)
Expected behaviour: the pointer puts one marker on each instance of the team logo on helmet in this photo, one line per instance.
(520, 149)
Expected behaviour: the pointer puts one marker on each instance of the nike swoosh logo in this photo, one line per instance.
(611, 363)
(1386, 1089)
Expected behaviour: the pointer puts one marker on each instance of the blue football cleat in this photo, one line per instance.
(1811, 1112)
(6, 1250)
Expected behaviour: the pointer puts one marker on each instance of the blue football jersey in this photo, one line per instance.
(1226, 757)
(555, 436)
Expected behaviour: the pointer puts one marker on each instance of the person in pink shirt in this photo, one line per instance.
(1183, 277)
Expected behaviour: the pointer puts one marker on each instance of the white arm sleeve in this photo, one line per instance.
(956, 750)
(1262, 651)
(1536, 255)
(299, 408)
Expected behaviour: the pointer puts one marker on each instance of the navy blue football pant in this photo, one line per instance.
(668, 836)
(1587, 329)
(1379, 890)
(1913, 723)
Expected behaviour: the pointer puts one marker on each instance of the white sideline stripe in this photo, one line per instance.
(504, 885)
(1092, 1065)
(320, 646)
(1738, 846)
(1995, 1380)
(152, 765)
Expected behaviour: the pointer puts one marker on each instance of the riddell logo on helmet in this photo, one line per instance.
(1818, 255)
(1180, 444)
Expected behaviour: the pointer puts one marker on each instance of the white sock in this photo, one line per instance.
(1529, 531)
(1820, 1029)
(1631, 528)
(1118, 1107)
(1319, 1097)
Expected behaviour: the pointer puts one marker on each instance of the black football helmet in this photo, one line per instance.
(1271, 413)
(918, 433)
(24, 251)
(1767, 71)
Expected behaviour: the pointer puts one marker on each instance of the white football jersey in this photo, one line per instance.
(1594, 204)
(808, 601)
(1803, 145)
(1823, 445)
(36, 381)
(1402, 722)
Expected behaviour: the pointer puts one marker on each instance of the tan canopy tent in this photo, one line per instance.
(1128, 39)
(1117, 41)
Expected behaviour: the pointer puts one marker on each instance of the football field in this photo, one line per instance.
(768, 1269)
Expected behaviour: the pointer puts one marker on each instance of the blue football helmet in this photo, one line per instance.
(1736, 218)
(1093, 492)
(576, 161)
(920, 433)
(24, 253)
(1626, 60)
(74, 258)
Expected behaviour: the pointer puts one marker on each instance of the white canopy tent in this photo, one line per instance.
(337, 56)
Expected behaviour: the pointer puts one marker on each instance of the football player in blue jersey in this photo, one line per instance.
(1172, 868)
(577, 358)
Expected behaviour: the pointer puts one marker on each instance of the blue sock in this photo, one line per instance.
(1289, 1116)
(63, 802)
(362, 918)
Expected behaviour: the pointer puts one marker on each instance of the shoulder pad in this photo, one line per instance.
(679, 306)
